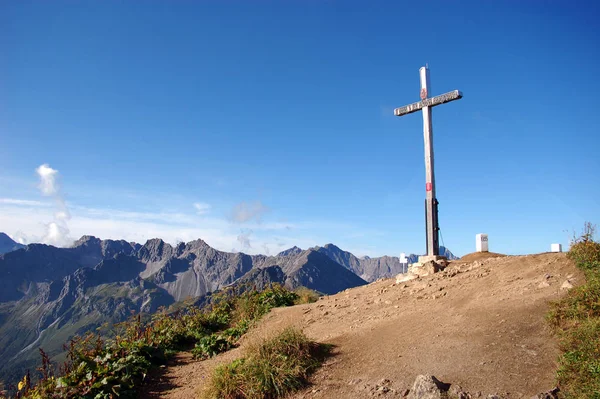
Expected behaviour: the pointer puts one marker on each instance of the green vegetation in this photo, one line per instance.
(271, 369)
(234, 319)
(306, 295)
(100, 367)
(576, 318)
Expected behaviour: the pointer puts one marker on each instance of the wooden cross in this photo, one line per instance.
(431, 202)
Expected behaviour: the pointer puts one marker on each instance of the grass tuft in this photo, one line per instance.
(270, 369)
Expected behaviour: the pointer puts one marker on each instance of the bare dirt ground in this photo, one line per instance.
(479, 324)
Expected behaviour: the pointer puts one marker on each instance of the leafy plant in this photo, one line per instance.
(210, 346)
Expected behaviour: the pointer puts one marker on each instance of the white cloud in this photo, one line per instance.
(57, 231)
(202, 208)
(48, 180)
(14, 201)
(244, 211)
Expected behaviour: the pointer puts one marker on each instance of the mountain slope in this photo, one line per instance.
(314, 270)
(7, 244)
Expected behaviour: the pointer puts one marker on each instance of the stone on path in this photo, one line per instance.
(428, 387)
(566, 285)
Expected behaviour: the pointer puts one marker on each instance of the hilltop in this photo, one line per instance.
(479, 324)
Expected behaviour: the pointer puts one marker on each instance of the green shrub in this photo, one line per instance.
(576, 319)
(581, 303)
(271, 369)
(305, 295)
(585, 251)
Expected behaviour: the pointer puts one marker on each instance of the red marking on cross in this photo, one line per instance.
(423, 93)
(428, 186)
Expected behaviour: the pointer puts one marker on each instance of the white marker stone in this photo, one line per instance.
(403, 262)
(481, 242)
(555, 247)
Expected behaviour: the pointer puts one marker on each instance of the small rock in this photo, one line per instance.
(566, 285)
(457, 392)
(543, 284)
(552, 394)
(405, 277)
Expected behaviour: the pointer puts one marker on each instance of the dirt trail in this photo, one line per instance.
(478, 324)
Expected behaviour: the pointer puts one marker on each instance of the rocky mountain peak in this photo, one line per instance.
(290, 251)
(155, 249)
(86, 240)
(197, 244)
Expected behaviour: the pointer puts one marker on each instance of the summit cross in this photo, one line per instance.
(431, 203)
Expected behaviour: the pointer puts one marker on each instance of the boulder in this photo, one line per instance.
(425, 269)
(428, 387)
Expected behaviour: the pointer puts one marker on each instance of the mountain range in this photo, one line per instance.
(49, 294)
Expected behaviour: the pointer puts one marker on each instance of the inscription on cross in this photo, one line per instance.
(431, 203)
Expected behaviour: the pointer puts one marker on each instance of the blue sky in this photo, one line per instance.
(258, 125)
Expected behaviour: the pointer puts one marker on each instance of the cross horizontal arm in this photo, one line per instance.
(428, 102)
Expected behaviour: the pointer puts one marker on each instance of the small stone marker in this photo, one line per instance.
(555, 248)
(481, 242)
(404, 262)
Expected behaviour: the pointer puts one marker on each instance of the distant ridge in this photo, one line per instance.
(371, 269)
(7, 244)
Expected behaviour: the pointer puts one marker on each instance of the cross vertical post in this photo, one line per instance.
(431, 203)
